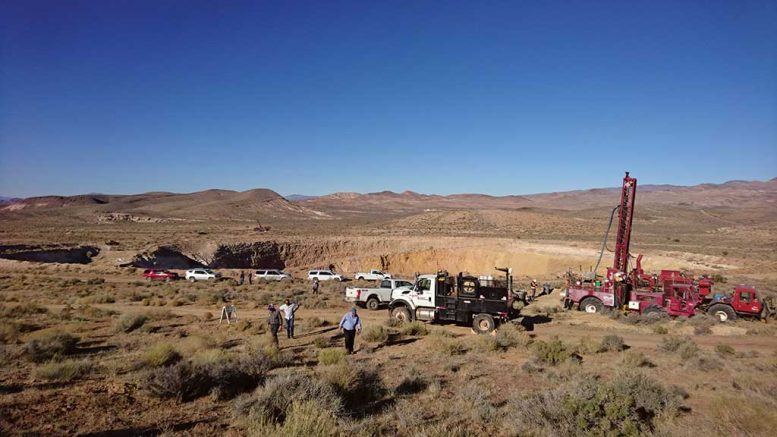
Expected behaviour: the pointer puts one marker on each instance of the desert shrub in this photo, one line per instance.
(393, 323)
(412, 383)
(587, 345)
(161, 354)
(415, 328)
(9, 332)
(375, 334)
(65, 371)
(16, 311)
(636, 359)
(129, 322)
(551, 352)
(660, 330)
(441, 333)
(448, 347)
(224, 378)
(193, 344)
(330, 356)
(705, 363)
(629, 404)
(684, 347)
(95, 281)
(53, 344)
(702, 324)
(321, 342)
(95, 313)
(358, 385)
(271, 404)
(229, 376)
(532, 366)
(725, 350)
(611, 343)
(179, 381)
(509, 335)
(304, 419)
(315, 322)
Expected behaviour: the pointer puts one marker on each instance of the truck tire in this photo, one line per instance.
(483, 323)
(360, 278)
(722, 312)
(373, 303)
(192, 279)
(654, 311)
(401, 313)
(591, 305)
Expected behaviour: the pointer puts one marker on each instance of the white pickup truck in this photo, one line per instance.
(373, 298)
(372, 275)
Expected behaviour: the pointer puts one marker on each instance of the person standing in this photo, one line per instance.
(534, 285)
(274, 322)
(351, 325)
(315, 285)
(250, 278)
(289, 309)
(242, 277)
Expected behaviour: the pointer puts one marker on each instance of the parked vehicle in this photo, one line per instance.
(202, 275)
(372, 275)
(160, 275)
(483, 303)
(324, 275)
(272, 275)
(373, 298)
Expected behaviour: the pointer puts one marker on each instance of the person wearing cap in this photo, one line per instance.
(351, 325)
(534, 285)
(274, 321)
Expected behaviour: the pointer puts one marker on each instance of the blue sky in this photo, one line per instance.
(437, 97)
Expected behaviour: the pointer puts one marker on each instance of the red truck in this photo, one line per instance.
(672, 292)
(160, 275)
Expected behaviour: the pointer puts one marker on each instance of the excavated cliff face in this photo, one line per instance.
(401, 256)
(165, 257)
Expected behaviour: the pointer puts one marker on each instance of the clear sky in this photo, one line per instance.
(438, 97)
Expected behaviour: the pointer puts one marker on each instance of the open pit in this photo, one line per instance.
(50, 254)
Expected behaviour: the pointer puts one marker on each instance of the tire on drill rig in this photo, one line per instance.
(724, 313)
(654, 312)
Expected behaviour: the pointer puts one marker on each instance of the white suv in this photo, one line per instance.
(202, 275)
(272, 275)
(324, 275)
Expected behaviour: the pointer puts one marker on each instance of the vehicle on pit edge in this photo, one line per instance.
(271, 275)
(324, 275)
(373, 298)
(372, 275)
(202, 275)
(483, 303)
(160, 275)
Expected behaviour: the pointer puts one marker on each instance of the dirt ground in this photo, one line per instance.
(87, 347)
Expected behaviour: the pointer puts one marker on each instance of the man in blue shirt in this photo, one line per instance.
(351, 325)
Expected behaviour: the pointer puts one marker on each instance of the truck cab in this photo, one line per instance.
(460, 299)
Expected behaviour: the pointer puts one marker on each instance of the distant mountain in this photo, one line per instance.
(4, 199)
(252, 204)
(261, 204)
(298, 197)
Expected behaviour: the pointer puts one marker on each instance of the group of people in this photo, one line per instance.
(242, 278)
(350, 323)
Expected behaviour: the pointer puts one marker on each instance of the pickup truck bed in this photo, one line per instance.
(373, 298)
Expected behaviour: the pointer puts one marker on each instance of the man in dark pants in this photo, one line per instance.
(274, 322)
(242, 277)
(350, 325)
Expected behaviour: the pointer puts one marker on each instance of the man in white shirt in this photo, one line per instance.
(288, 314)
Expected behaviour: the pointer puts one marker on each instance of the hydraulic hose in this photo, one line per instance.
(604, 239)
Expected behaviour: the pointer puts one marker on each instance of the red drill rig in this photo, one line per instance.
(671, 292)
